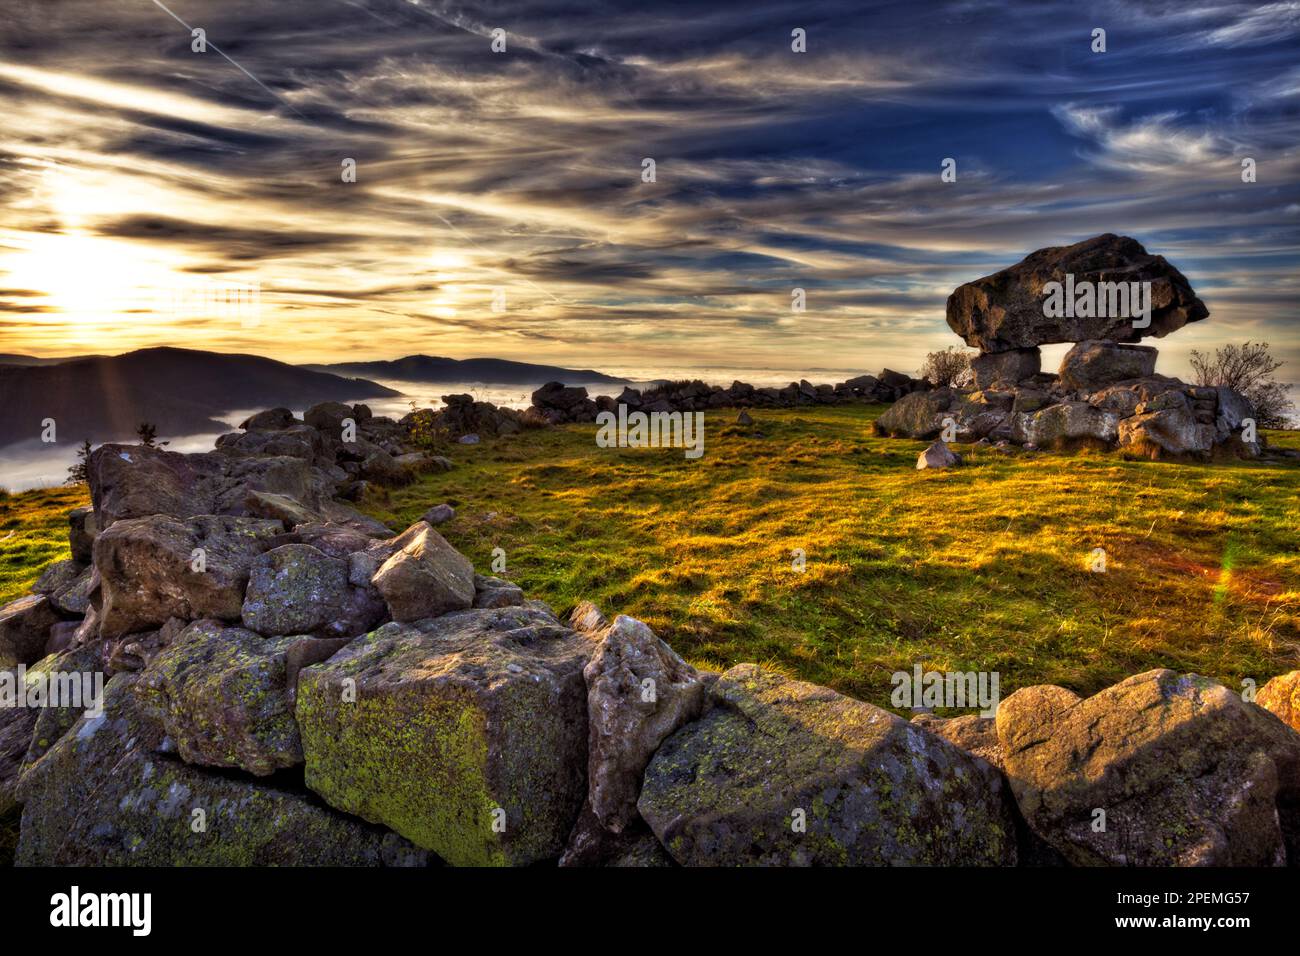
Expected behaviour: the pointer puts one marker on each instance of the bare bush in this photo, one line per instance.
(943, 368)
(1249, 370)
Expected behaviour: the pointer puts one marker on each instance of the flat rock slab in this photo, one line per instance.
(465, 733)
(1004, 311)
(869, 788)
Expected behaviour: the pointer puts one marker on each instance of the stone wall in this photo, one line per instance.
(289, 682)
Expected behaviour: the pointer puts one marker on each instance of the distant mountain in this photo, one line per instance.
(11, 358)
(489, 371)
(181, 391)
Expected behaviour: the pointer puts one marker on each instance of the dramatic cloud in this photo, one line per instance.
(144, 177)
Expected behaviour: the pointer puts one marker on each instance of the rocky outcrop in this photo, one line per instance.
(1106, 393)
(783, 773)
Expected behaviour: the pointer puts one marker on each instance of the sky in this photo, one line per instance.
(158, 195)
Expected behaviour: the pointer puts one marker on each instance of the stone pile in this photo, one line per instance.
(1106, 392)
(317, 690)
(556, 403)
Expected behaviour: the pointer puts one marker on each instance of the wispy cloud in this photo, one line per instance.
(132, 163)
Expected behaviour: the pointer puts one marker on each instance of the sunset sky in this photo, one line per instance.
(138, 173)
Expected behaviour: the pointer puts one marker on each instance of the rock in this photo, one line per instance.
(556, 395)
(638, 693)
(496, 592)
(1004, 311)
(24, 629)
(150, 569)
(873, 789)
(972, 733)
(1091, 365)
(587, 618)
(1065, 425)
(918, 415)
(335, 540)
(1166, 432)
(226, 696)
(273, 419)
(1187, 773)
(328, 418)
(264, 504)
(81, 669)
(455, 718)
(131, 481)
(744, 418)
(439, 514)
(297, 589)
(73, 598)
(938, 455)
(1281, 697)
(57, 576)
(1008, 367)
(104, 796)
(590, 844)
(1029, 400)
(439, 463)
(470, 439)
(425, 576)
(81, 533)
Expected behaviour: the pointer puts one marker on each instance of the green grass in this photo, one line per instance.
(34, 534)
(980, 568)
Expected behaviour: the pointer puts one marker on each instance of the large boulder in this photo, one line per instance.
(24, 628)
(425, 576)
(226, 696)
(1090, 365)
(782, 772)
(638, 692)
(104, 796)
(1007, 368)
(918, 415)
(298, 589)
(161, 567)
(1171, 431)
(1066, 425)
(466, 733)
(1004, 311)
(1185, 772)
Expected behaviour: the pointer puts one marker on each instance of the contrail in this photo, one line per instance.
(271, 93)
